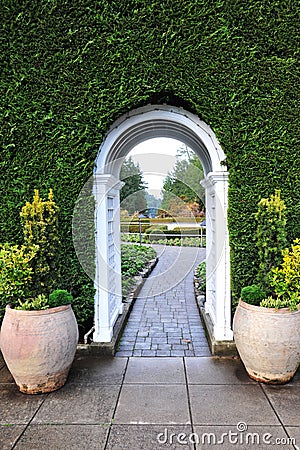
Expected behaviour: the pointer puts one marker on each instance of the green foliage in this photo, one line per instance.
(164, 240)
(156, 229)
(83, 229)
(26, 270)
(252, 294)
(15, 274)
(37, 303)
(270, 236)
(40, 223)
(184, 181)
(279, 303)
(285, 279)
(136, 226)
(132, 195)
(69, 69)
(152, 201)
(201, 275)
(60, 297)
(134, 259)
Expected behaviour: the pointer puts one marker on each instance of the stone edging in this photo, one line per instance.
(199, 295)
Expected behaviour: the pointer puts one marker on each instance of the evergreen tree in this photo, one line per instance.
(132, 195)
(184, 181)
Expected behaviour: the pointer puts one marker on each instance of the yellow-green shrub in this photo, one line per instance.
(40, 221)
(15, 273)
(285, 279)
(270, 236)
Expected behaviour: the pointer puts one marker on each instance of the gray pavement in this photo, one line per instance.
(165, 320)
(151, 403)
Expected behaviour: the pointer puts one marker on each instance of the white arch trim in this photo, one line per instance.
(128, 131)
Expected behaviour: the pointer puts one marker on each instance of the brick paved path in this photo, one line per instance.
(165, 320)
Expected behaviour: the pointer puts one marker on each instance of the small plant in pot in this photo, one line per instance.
(267, 320)
(39, 333)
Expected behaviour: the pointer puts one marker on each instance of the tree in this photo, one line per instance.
(184, 182)
(132, 195)
(152, 201)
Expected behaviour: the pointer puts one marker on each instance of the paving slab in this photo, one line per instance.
(78, 404)
(202, 351)
(63, 437)
(286, 400)
(9, 435)
(5, 376)
(229, 437)
(147, 437)
(17, 408)
(124, 353)
(2, 363)
(294, 433)
(155, 371)
(214, 370)
(230, 404)
(97, 370)
(153, 404)
(128, 403)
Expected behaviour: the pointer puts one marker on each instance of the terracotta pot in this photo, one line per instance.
(268, 341)
(39, 347)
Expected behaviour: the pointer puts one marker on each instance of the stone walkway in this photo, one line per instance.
(165, 319)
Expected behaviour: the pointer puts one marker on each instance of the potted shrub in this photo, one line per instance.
(39, 333)
(267, 320)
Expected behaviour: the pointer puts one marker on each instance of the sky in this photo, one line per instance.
(156, 157)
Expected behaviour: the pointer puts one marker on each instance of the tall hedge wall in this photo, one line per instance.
(70, 68)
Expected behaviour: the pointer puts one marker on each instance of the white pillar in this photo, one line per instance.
(108, 281)
(218, 298)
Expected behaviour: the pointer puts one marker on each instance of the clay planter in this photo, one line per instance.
(268, 341)
(39, 347)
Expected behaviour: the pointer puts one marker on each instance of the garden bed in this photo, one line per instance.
(135, 263)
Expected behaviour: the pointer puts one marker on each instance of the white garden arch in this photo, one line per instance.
(128, 131)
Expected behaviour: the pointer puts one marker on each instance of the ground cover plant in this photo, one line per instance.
(200, 274)
(134, 258)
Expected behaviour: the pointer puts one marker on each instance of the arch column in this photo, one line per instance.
(108, 282)
(218, 299)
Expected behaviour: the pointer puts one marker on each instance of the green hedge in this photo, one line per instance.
(70, 68)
